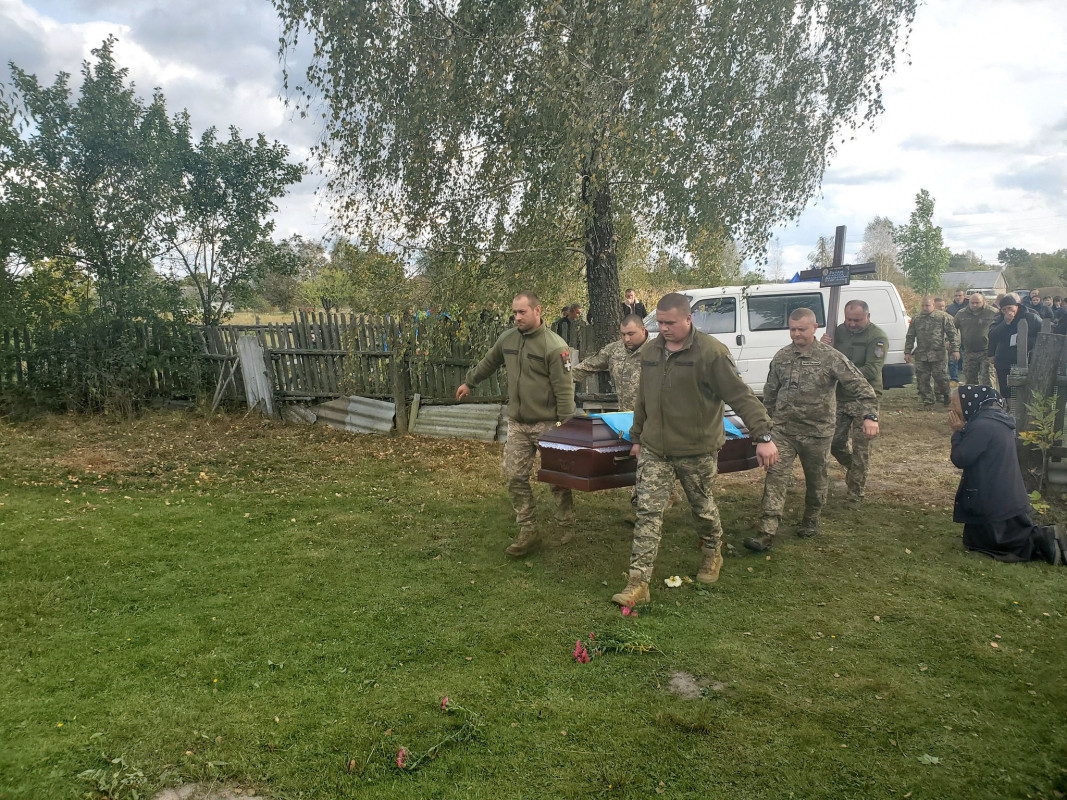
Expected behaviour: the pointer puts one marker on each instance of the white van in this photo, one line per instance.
(753, 321)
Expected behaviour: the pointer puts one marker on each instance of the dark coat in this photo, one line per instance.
(1005, 354)
(637, 308)
(991, 488)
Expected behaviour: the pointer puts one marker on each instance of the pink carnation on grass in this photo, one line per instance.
(581, 655)
(444, 704)
(401, 758)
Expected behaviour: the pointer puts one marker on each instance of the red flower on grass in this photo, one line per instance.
(444, 704)
(401, 758)
(581, 655)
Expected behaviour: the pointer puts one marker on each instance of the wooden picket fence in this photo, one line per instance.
(29, 361)
(319, 356)
(314, 357)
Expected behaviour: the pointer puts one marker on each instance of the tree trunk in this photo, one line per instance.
(601, 264)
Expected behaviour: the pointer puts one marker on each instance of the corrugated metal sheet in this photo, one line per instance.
(480, 421)
(299, 415)
(356, 414)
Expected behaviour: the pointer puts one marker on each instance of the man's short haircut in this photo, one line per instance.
(1046, 297)
(530, 297)
(675, 301)
(628, 291)
(632, 319)
(574, 306)
(1057, 299)
(858, 304)
(802, 313)
(939, 300)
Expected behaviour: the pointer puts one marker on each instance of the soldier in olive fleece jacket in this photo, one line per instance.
(686, 375)
(540, 396)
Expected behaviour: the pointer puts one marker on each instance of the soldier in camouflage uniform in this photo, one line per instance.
(677, 432)
(932, 336)
(800, 395)
(973, 322)
(541, 396)
(620, 359)
(864, 345)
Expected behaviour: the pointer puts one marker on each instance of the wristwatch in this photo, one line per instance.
(764, 438)
(871, 417)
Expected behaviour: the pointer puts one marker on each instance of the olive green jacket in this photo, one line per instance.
(974, 327)
(540, 388)
(681, 395)
(866, 349)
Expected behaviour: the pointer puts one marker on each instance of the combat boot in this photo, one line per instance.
(808, 528)
(759, 543)
(527, 540)
(636, 591)
(710, 565)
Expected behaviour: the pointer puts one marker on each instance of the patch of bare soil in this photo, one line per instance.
(690, 687)
(204, 791)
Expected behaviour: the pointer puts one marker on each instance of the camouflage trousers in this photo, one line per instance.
(655, 479)
(813, 452)
(936, 371)
(852, 449)
(520, 450)
(977, 369)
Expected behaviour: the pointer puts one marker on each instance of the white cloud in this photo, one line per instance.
(975, 112)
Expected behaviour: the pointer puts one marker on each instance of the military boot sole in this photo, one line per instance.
(807, 533)
(759, 544)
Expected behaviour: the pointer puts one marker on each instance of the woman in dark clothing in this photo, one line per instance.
(1002, 337)
(991, 501)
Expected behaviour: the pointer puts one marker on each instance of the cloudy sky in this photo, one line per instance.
(976, 112)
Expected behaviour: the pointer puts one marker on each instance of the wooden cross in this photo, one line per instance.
(835, 276)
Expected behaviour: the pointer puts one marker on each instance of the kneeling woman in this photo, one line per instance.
(992, 502)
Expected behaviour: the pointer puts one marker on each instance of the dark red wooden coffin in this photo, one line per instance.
(585, 453)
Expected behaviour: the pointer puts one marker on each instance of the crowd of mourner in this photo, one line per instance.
(820, 401)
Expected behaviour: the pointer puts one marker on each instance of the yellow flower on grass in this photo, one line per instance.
(674, 581)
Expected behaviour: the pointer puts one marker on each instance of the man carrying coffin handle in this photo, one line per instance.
(686, 376)
(540, 396)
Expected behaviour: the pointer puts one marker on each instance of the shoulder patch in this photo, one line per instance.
(566, 356)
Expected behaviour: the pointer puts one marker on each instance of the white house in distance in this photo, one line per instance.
(987, 282)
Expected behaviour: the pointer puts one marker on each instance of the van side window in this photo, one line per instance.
(716, 315)
(771, 312)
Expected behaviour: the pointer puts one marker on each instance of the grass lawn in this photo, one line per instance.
(282, 608)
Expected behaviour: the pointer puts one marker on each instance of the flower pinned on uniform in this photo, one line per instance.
(673, 582)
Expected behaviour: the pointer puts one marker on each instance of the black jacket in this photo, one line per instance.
(991, 488)
(1004, 353)
(637, 308)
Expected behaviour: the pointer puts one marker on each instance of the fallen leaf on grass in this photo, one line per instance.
(995, 645)
(926, 758)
